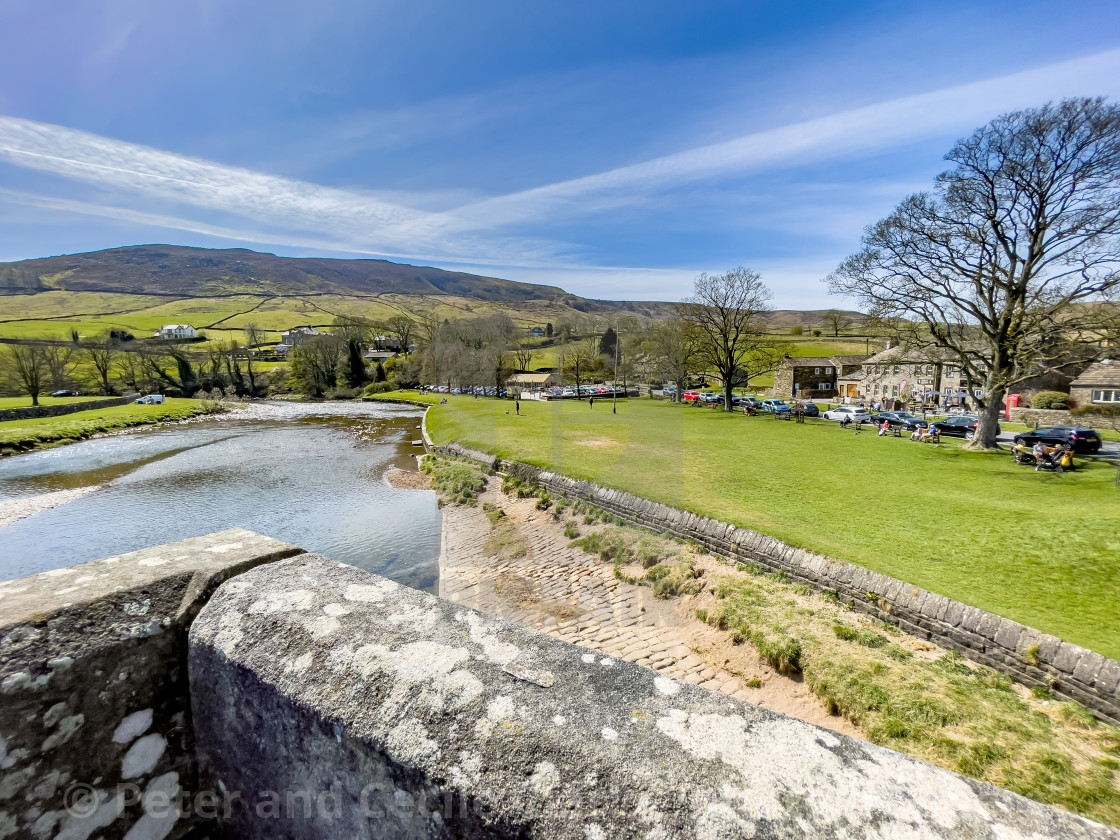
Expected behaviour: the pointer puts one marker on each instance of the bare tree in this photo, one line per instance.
(675, 348)
(27, 364)
(727, 311)
(996, 264)
(60, 364)
(580, 358)
(101, 355)
(254, 338)
(836, 320)
(524, 354)
(402, 328)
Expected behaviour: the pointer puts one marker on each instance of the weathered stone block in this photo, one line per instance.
(416, 718)
(93, 682)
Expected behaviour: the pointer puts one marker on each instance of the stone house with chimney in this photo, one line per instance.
(815, 377)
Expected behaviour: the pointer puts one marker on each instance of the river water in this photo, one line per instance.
(308, 474)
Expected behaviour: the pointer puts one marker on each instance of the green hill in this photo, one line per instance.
(138, 289)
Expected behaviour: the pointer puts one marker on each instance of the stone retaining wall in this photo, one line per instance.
(34, 412)
(1029, 656)
(94, 712)
(330, 703)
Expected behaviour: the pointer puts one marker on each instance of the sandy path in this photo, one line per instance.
(571, 595)
(17, 509)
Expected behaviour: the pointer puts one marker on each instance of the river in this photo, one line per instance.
(308, 474)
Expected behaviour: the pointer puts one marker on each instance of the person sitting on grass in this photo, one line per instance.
(1041, 453)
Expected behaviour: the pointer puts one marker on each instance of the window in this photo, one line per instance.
(894, 391)
(1106, 396)
(816, 371)
(929, 368)
(828, 370)
(978, 393)
(825, 386)
(897, 370)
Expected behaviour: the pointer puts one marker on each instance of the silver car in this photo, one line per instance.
(853, 413)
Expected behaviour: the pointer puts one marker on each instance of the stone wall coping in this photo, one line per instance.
(316, 676)
(61, 612)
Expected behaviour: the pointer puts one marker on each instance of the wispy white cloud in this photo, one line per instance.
(269, 209)
(854, 132)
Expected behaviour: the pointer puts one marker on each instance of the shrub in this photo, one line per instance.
(867, 638)
(1050, 400)
(455, 479)
(377, 388)
(571, 531)
(545, 501)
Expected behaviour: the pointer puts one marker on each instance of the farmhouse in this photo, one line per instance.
(1099, 384)
(177, 332)
(294, 338)
(811, 377)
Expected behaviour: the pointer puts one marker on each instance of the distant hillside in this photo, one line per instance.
(140, 288)
(199, 272)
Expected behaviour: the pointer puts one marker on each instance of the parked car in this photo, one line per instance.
(776, 406)
(691, 396)
(854, 413)
(711, 398)
(1082, 441)
(65, 394)
(809, 409)
(963, 426)
(151, 399)
(897, 419)
(743, 402)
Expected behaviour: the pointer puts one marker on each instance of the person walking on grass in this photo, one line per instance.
(591, 402)
(517, 407)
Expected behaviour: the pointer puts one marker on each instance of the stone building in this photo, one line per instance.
(1098, 384)
(814, 377)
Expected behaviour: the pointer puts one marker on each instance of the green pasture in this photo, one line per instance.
(1038, 548)
(22, 435)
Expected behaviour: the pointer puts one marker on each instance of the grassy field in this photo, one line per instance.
(23, 435)
(1037, 548)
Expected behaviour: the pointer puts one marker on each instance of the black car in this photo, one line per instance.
(808, 409)
(897, 419)
(1082, 441)
(65, 394)
(964, 426)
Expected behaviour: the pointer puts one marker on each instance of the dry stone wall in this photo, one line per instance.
(1029, 656)
(34, 412)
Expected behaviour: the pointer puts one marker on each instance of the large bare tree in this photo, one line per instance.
(997, 264)
(27, 365)
(728, 311)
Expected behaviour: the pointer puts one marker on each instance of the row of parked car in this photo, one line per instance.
(1081, 441)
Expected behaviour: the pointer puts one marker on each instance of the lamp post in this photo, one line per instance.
(614, 385)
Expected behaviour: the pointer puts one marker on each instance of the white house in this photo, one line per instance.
(177, 332)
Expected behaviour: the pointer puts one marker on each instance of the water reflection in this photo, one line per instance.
(310, 475)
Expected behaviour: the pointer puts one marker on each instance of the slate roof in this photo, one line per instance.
(1100, 373)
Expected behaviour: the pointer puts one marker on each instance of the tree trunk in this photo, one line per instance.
(679, 396)
(988, 430)
(727, 395)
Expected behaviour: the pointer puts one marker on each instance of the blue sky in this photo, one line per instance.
(615, 149)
